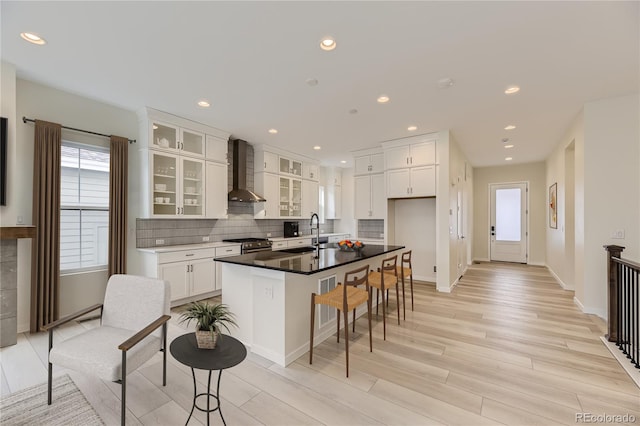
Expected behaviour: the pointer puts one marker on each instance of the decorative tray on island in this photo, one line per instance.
(348, 245)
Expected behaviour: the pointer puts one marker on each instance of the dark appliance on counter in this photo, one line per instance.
(251, 245)
(291, 229)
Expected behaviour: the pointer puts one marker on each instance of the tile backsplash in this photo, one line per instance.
(240, 224)
(370, 228)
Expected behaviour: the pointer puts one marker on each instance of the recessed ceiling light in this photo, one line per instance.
(412, 128)
(508, 146)
(508, 158)
(312, 81)
(33, 38)
(273, 131)
(327, 43)
(445, 83)
(317, 147)
(511, 90)
(203, 103)
(510, 127)
(383, 99)
(343, 161)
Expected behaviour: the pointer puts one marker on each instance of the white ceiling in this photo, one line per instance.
(251, 60)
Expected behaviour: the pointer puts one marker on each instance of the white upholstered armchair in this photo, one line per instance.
(134, 308)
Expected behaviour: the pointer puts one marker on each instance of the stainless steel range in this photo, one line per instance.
(252, 245)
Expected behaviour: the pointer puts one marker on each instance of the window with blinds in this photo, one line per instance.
(84, 207)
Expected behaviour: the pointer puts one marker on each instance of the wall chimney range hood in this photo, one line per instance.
(240, 192)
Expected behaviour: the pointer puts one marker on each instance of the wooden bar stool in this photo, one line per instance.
(404, 270)
(345, 297)
(383, 279)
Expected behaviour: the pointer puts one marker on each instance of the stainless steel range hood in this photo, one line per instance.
(240, 192)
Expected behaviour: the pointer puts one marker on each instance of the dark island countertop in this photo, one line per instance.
(329, 256)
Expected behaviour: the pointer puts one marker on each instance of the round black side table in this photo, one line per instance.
(228, 353)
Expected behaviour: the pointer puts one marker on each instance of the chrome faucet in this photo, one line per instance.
(317, 231)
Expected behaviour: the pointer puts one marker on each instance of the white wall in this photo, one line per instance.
(606, 175)
(534, 173)
(611, 146)
(37, 101)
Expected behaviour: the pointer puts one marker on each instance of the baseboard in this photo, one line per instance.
(476, 260)
(429, 278)
(590, 310)
(622, 359)
(24, 328)
(557, 278)
(537, 264)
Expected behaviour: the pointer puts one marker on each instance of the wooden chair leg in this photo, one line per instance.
(377, 301)
(384, 318)
(387, 298)
(369, 318)
(338, 321)
(346, 337)
(411, 281)
(404, 301)
(313, 318)
(354, 320)
(397, 302)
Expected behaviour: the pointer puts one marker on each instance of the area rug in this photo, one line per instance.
(29, 406)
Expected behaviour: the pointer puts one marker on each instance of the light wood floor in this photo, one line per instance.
(507, 346)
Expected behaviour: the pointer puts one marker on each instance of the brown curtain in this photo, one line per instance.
(118, 168)
(45, 252)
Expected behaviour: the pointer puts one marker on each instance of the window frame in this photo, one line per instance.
(80, 208)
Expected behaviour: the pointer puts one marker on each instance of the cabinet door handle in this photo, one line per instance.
(265, 164)
(187, 268)
(229, 250)
(407, 190)
(410, 160)
(407, 160)
(189, 255)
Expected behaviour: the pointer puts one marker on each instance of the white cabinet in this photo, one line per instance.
(189, 272)
(370, 201)
(278, 245)
(310, 171)
(216, 184)
(309, 198)
(411, 182)
(333, 176)
(290, 197)
(338, 238)
(299, 242)
(216, 149)
(418, 154)
(177, 185)
(265, 161)
(289, 166)
(367, 164)
(171, 138)
(267, 184)
(333, 202)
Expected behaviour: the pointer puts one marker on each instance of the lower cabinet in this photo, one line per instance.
(192, 274)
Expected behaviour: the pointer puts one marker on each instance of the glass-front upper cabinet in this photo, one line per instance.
(192, 143)
(192, 187)
(291, 167)
(164, 184)
(285, 189)
(296, 197)
(164, 136)
(172, 138)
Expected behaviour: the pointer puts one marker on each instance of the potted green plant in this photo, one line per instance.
(209, 320)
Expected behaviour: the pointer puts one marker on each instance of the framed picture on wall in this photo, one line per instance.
(553, 206)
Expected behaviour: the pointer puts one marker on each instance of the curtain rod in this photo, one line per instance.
(31, 120)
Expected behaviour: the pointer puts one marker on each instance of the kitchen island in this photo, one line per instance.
(270, 294)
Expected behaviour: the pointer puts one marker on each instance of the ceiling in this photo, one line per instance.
(251, 60)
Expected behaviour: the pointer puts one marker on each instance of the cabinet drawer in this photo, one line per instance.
(228, 251)
(299, 243)
(279, 245)
(184, 255)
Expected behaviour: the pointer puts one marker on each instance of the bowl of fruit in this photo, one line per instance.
(348, 245)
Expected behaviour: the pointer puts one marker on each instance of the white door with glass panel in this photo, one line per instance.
(508, 222)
